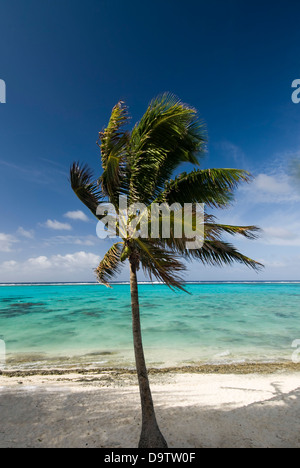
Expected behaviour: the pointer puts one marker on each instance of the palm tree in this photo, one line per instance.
(139, 165)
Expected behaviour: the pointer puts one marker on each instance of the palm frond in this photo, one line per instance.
(86, 189)
(214, 231)
(214, 187)
(160, 263)
(109, 139)
(113, 145)
(215, 251)
(168, 134)
(110, 265)
(219, 253)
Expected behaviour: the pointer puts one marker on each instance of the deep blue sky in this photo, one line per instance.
(67, 62)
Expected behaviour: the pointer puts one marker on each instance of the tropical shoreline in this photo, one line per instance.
(232, 368)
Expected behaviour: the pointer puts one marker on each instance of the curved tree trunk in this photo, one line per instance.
(151, 436)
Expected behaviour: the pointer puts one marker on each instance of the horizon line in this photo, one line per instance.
(144, 282)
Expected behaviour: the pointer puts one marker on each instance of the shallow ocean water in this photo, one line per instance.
(88, 324)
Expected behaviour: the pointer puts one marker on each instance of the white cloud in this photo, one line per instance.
(271, 188)
(9, 264)
(68, 261)
(85, 241)
(57, 226)
(282, 236)
(76, 215)
(6, 242)
(75, 240)
(39, 262)
(271, 184)
(77, 260)
(28, 234)
(77, 266)
(280, 233)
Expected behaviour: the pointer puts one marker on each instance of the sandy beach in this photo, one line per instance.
(229, 406)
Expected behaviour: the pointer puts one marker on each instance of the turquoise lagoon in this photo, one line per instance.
(70, 325)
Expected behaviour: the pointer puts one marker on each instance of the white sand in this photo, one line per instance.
(193, 410)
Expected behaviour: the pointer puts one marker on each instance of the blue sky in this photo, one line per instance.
(67, 62)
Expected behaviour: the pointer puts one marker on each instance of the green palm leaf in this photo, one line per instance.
(215, 231)
(86, 189)
(113, 145)
(160, 263)
(220, 253)
(110, 265)
(168, 134)
(214, 187)
(109, 140)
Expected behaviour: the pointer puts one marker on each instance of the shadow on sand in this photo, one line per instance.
(110, 418)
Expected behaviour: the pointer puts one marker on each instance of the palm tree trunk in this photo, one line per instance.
(151, 436)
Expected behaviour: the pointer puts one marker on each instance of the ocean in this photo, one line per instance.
(67, 325)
